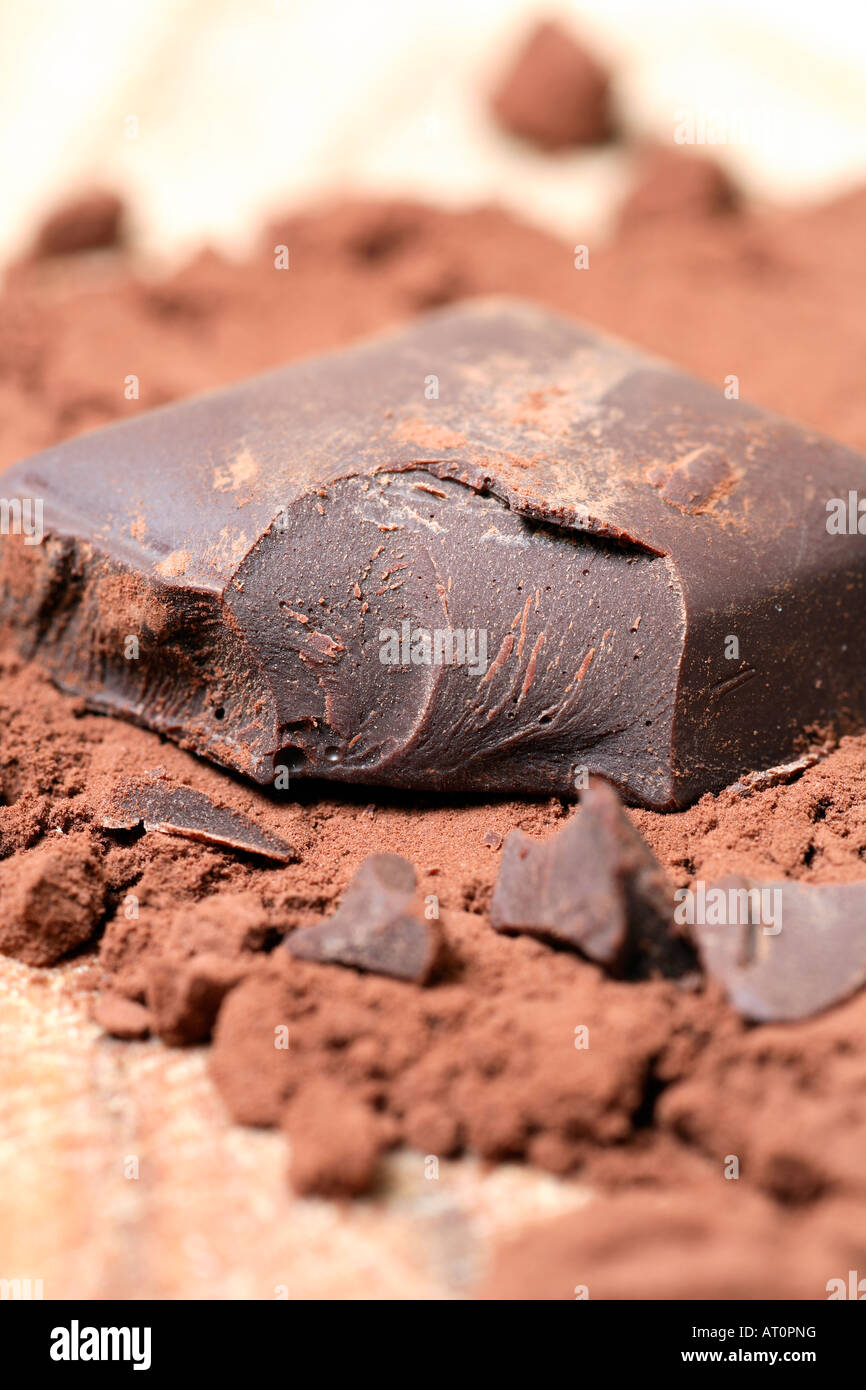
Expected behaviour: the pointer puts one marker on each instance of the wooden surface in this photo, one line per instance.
(210, 1214)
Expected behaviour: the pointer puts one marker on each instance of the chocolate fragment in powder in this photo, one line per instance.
(575, 560)
(51, 898)
(556, 94)
(595, 886)
(178, 810)
(784, 950)
(778, 776)
(379, 926)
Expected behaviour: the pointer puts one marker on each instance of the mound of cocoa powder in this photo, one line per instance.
(50, 898)
(675, 1245)
(483, 1057)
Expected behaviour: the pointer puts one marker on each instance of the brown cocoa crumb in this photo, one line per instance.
(122, 1018)
(51, 898)
(335, 1141)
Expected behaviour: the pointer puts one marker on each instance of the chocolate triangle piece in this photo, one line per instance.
(783, 951)
(595, 886)
(158, 804)
(379, 926)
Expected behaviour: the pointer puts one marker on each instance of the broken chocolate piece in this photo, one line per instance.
(571, 559)
(180, 810)
(779, 776)
(556, 94)
(595, 886)
(784, 951)
(379, 925)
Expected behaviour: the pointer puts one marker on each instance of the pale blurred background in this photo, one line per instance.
(243, 107)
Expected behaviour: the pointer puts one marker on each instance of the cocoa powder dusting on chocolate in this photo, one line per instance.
(484, 1056)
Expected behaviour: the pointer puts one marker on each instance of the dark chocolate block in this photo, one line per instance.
(492, 552)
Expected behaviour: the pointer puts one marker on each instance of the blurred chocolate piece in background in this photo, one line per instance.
(596, 886)
(783, 950)
(673, 183)
(555, 94)
(94, 221)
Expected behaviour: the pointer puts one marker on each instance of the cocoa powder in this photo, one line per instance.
(484, 1057)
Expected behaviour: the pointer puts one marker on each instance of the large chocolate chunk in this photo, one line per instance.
(494, 552)
(783, 950)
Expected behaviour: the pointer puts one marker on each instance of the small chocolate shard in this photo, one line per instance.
(157, 804)
(379, 926)
(782, 774)
(121, 1017)
(595, 886)
(784, 951)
